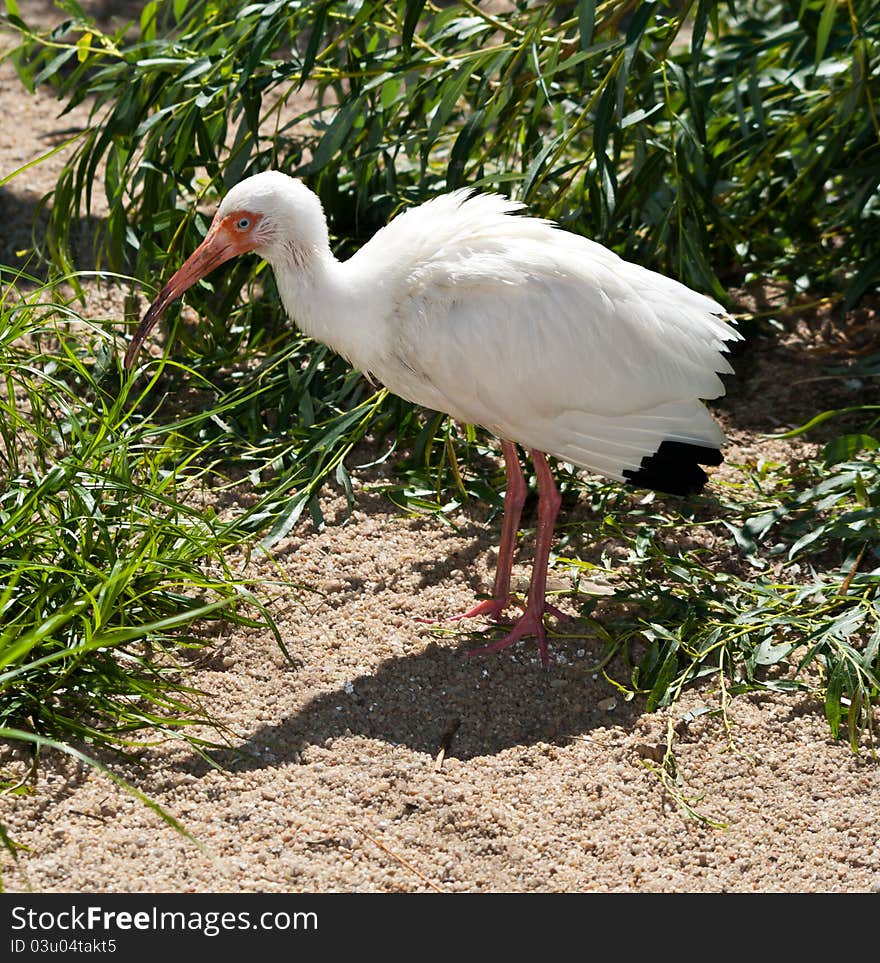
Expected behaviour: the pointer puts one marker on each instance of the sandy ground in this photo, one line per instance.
(544, 781)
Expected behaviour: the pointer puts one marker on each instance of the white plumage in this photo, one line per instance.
(544, 337)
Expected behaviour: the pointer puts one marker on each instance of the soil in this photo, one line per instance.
(382, 760)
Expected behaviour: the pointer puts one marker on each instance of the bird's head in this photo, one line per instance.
(270, 213)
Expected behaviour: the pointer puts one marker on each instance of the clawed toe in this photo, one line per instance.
(489, 608)
(531, 622)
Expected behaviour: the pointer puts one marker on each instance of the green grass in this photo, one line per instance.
(107, 565)
(716, 146)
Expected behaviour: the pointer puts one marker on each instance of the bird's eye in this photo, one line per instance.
(243, 223)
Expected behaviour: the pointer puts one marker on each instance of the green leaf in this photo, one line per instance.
(844, 447)
(470, 135)
(867, 275)
(336, 134)
(410, 22)
(823, 417)
(315, 38)
(705, 10)
(638, 23)
(826, 22)
(833, 695)
(148, 20)
(287, 519)
(344, 480)
(536, 165)
(586, 14)
(806, 540)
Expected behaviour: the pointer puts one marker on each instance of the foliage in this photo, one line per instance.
(106, 560)
(806, 605)
(708, 136)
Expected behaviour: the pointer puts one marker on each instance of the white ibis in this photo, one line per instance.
(545, 338)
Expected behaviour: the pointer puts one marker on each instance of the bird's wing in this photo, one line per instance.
(547, 338)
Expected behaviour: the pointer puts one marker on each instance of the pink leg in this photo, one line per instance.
(531, 622)
(514, 499)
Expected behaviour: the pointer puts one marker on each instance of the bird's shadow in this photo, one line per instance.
(441, 699)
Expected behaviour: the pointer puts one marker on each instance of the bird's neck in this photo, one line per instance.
(327, 301)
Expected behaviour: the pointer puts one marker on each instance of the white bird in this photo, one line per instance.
(547, 339)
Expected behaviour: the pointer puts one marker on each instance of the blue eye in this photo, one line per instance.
(243, 223)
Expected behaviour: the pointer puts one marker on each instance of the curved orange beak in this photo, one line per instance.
(221, 243)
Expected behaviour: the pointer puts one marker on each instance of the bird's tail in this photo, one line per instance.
(660, 449)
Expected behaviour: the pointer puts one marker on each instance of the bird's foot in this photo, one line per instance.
(557, 614)
(531, 622)
(490, 608)
(493, 609)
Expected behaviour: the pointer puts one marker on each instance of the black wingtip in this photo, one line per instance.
(674, 468)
